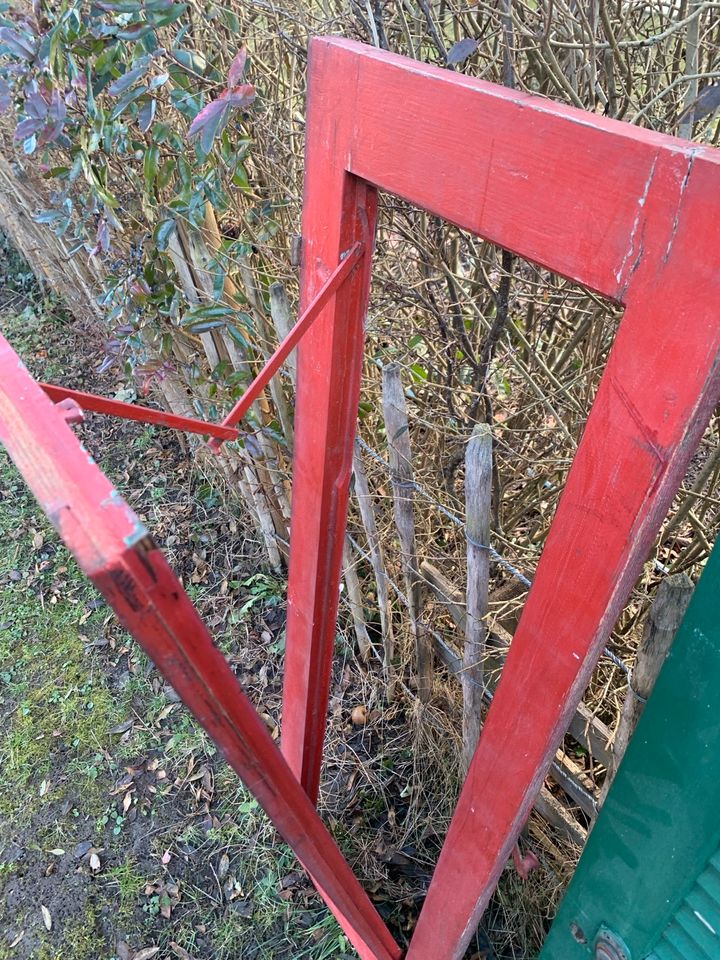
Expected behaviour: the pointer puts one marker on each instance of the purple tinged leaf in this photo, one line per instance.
(27, 127)
(237, 68)
(36, 106)
(20, 46)
(56, 118)
(460, 51)
(103, 236)
(210, 123)
(106, 364)
(239, 97)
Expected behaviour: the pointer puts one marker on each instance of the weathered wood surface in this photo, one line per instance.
(663, 620)
(377, 559)
(631, 214)
(397, 430)
(586, 729)
(478, 496)
(355, 600)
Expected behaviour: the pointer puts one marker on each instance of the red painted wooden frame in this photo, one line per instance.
(629, 213)
(116, 551)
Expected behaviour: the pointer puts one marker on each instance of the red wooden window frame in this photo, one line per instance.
(633, 215)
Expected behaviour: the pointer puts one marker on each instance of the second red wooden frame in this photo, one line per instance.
(629, 213)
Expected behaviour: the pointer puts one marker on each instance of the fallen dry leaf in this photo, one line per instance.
(146, 953)
(223, 866)
(94, 862)
(47, 919)
(179, 951)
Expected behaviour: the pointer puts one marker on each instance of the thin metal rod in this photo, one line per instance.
(130, 411)
(307, 318)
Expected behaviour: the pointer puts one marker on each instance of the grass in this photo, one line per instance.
(80, 705)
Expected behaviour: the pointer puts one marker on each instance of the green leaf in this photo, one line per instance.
(163, 231)
(168, 17)
(124, 102)
(202, 326)
(150, 166)
(240, 178)
(135, 31)
(191, 60)
(127, 80)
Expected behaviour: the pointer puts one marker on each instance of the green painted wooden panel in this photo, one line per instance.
(694, 931)
(651, 866)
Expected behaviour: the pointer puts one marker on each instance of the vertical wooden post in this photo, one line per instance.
(280, 313)
(478, 495)
(662, 623)
(339, 209)
(398, 437)
(367, 514)
(354, 595)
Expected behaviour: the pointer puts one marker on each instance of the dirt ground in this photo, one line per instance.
(123, 836)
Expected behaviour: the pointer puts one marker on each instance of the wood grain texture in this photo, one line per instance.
(478, 497)
(367, 515)
(397, 429)
(661, 624)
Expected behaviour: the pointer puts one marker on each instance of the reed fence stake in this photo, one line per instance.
(367, 515)
(400, 455)
(663, 619)
(281, 316)
(267, 525)
(478, 496)
(354, 595)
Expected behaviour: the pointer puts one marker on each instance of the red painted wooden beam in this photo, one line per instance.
(117, 553)
(630, 213)
(132, 411)
(336, 279)
(339, 211)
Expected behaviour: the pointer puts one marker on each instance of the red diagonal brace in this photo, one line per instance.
(116, 552)
(130, 411)
(328, 289)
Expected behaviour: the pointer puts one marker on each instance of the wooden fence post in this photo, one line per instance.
(398, 437)
(354, 595)
(367, 515)
(663, 619)
(478, 495)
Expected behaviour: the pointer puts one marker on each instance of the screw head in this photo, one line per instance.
(609, 946)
